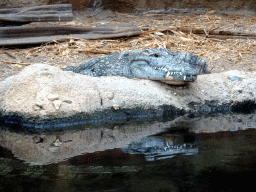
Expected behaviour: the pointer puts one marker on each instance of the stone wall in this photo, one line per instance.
(133, 5)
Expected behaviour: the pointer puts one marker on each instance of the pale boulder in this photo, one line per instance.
(44, 92)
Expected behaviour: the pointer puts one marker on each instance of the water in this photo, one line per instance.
(213, 153)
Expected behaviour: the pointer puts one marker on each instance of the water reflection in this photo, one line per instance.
(47, 148)
(217, 123)
(133, 137)
(155, 148)
(179, 155)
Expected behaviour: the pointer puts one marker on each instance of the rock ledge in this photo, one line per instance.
(42, 93)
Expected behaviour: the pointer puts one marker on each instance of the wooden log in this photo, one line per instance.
(22, 35)
(50, 30)
(40, 31)
(44, 13)
(215, 33)
(224, 37)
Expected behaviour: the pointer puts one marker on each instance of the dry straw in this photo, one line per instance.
(164, 32)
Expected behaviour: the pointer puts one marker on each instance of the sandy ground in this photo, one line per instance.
(221, 55)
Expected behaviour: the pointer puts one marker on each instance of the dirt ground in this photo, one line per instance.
(221, 54)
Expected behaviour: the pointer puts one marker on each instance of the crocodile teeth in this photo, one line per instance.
(168, 72)
(175, 73)
(160, 68)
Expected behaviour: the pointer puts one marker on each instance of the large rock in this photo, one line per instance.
(44, 92)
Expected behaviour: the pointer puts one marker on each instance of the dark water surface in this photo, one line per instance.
(214, 153)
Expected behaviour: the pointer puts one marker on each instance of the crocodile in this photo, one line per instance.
(155, 148)
(155, 64)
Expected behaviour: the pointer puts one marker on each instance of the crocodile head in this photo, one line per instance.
(170, 67)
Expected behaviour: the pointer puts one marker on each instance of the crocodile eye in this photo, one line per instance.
(155, 55)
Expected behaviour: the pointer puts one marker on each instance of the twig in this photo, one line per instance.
(213, 29)
(9, 54)
(206, 33)
(15, 62)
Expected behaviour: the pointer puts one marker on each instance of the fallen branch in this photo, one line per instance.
(213, 33)
(218, 33)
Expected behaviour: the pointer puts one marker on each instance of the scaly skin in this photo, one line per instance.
(154, 64)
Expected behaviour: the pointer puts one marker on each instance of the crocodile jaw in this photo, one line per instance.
(175, 78)
(171, 81)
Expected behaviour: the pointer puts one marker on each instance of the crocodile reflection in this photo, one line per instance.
(156, 148)
(48, 148)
